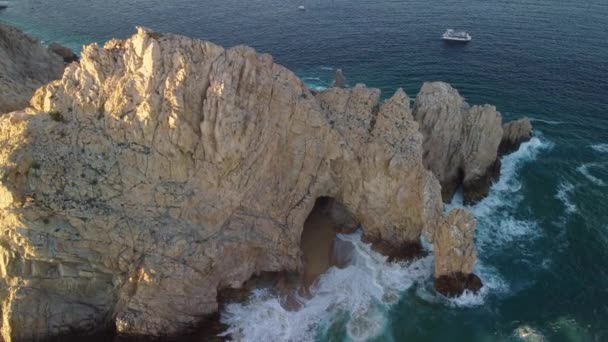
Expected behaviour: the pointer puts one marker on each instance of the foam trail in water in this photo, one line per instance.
(584, 170)
(602, 148)
(359, 294)
(564, 191)
(548, 122)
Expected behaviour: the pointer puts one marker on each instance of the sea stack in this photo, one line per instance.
(463, 143)
(340, 80)
(455, 255)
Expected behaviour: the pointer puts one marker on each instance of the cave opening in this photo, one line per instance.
(318, 241)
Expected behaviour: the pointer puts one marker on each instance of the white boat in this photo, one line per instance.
(302, 8)
(458, 36)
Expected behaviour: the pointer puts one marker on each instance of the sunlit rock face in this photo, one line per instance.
(162, 168)
(25, 65)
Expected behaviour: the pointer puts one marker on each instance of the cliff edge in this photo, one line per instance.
(161, 169)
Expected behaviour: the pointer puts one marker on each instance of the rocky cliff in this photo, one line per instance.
(161, 169)
(25, 65)
(461, 142)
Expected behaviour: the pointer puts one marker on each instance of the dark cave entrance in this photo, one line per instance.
(327, 218)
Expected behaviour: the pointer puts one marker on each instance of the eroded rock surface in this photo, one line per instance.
(171, 168)
(460, 141)
(25, 65)
(455, 255)
(515, 133)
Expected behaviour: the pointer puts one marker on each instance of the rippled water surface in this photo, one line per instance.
(543, 232)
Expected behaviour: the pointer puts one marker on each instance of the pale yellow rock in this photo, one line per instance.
(181, 168)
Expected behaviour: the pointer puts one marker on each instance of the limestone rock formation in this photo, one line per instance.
(340, 80)
(460, 141)
(162, 169)
(25, 65)
(515, 133)
(455, 255)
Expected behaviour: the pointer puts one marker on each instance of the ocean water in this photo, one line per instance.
(543, 231)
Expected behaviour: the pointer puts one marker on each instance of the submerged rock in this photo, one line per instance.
(515, 133)
(455, 255)
(25, 65)
(179, 168)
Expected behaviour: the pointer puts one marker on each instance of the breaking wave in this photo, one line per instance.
(358, 296)
(497, 225)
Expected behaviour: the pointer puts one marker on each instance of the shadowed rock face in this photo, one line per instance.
(180, 168)
(68, 55)
(25, 65)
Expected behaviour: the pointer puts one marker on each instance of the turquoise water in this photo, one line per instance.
(543, 232)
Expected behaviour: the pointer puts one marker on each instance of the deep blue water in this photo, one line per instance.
(543, 233)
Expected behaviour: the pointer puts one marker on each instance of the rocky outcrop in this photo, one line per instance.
(455, 255)
(68, 55)
(25, 65)
(340, 80)
(515, 133)
(460, 141)
(162, 169)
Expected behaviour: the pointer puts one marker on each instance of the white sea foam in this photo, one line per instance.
(359, 294)
(584, 170)
(564, 190)
(496, 224)
(548, 122)
(314, 83)
(528, 334)
(602, 148)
